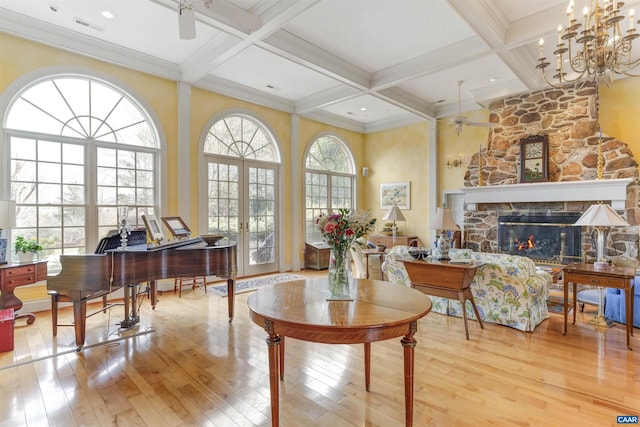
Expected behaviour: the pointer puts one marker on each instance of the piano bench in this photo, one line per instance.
(57, 298)
(193, 282)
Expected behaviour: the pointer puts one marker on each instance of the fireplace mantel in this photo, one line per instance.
(606, 190)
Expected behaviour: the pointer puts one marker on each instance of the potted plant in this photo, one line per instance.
(26, 249)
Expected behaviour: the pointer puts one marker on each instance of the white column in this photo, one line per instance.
(184, 143)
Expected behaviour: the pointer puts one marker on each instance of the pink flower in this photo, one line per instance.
(329, 227)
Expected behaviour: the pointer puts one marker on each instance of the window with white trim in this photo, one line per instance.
(79, 148)
(329, 181)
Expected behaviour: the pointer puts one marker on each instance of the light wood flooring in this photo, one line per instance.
(190, 367)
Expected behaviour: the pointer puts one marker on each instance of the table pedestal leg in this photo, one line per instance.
(409, 344)
(273, 344)
(367, 365)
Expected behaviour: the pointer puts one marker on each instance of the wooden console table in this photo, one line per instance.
(14, 275)
(445, 279)
(612, 277)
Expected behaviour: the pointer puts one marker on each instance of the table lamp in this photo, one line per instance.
(443, 222)
(394, 214)
(601, 217)
(7, 220)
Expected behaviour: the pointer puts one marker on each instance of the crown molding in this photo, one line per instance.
(78, 43)
(245, 93)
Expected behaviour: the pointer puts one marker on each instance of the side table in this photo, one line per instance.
(611, 277)
(14, 275)
(445, 279)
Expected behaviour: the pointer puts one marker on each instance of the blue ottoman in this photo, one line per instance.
(614, 304)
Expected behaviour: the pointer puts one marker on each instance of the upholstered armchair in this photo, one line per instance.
(508, 289)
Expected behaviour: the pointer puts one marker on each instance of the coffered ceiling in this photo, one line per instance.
(364, 65)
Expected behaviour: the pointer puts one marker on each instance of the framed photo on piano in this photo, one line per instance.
(177, 227)
(153, 228)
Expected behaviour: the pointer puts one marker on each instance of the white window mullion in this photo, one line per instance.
(91, 164)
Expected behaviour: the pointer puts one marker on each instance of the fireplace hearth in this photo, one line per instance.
(542, 236)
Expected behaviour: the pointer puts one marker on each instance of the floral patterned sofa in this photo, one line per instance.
(508, 289)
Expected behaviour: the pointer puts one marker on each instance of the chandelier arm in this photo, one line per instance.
(602, 49)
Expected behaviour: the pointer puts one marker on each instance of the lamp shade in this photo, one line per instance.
(7, 214)
(394, 214)
(601, 215)
(443, 220)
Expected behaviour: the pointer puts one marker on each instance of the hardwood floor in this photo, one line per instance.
(189, 366)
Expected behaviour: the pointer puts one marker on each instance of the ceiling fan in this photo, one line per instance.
(461, 120)
(219, 10)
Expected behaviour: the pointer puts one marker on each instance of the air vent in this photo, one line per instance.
(87, 24)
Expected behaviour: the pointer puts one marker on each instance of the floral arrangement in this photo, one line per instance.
(341, 229)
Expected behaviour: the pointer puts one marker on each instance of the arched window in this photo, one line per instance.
(242, 137)
(78, 149)
(242, 161)
(329, 181)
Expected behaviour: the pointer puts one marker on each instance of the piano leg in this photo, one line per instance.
(231, 297)
(80, 321)
(153, 293)
(131, 317)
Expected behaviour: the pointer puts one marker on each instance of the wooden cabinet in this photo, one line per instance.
(14, 275)
(381, 239)
(316, 256)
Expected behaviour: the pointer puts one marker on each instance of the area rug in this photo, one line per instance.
(555, 304)
(248, 285)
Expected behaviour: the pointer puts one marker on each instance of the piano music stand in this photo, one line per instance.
(137, 238)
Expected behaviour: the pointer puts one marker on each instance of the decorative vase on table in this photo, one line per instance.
(340, 275)
(340, 230)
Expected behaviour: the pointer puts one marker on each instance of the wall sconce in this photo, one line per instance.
(454, 163)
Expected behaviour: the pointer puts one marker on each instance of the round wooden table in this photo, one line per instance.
(299, 309)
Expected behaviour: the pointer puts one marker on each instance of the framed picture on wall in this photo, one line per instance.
(534, 158)
(395, 194)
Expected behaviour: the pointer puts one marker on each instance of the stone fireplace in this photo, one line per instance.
(568, 117)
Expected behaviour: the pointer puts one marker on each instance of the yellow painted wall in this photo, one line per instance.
(400, 155)
(620, 112)
(451, 145)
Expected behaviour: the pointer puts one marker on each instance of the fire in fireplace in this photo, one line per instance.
(542, 236)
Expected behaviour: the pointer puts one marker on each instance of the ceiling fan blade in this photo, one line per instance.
(481, 124)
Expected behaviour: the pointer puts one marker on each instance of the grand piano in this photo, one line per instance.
(84, 277)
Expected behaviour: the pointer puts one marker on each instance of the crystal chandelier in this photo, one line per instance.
(596, 52)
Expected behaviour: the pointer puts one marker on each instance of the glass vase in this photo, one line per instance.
(340, 276)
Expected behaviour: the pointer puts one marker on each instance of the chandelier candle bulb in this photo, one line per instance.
(632, 24)
(541, 47)
(559, 35)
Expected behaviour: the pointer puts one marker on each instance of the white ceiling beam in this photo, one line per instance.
(449, 56)
(306, 54)
(217, 51)
(245, 93)
(407, 101)
(490, 23)
(326, 98)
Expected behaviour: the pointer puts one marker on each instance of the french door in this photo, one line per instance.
(242, 205)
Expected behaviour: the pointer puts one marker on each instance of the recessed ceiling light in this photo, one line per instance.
(106, 14)
(492, 79)
(363, 108)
